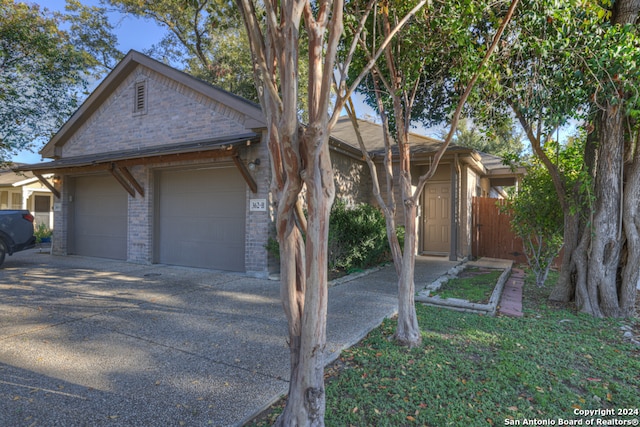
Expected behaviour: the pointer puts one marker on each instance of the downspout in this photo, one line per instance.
(453, 244)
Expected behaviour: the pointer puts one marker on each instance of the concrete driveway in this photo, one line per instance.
(91, 342)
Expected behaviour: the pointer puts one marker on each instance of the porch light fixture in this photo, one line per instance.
(253, 165)
(56, 179)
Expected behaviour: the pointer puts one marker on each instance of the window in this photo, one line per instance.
(140, 98)
(16, 201)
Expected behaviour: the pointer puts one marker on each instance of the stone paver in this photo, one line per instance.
(511, 301)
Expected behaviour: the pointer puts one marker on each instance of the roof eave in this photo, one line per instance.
(106, 158)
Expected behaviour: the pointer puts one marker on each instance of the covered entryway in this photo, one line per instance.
(201, 218)
(436, 217)
(98, 206)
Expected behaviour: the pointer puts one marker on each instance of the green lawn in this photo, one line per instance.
(476, 370)
(476, 286)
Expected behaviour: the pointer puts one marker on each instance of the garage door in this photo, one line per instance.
(99, 221)
(201, 218)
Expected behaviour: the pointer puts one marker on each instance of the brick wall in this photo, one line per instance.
(175, 114)
(352, 179)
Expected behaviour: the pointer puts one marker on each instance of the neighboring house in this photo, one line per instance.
(25, 191)
(157, 166)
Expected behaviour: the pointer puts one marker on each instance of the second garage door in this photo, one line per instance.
(201, 218)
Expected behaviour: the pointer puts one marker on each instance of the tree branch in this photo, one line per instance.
(342, 98)
(456, 116)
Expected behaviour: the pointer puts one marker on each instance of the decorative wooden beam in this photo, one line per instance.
(245, 173)
(116, 174)
(47, 184)
(75, 169)
(125, 173)
(105, 165)
(178, 157)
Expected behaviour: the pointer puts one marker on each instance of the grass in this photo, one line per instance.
(475, 286)
(474, 370)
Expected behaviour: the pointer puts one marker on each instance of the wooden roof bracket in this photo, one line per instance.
(122, 180)
(47, 184)
(125, 173)
(245, 173)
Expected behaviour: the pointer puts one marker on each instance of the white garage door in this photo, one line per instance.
(201, 218)
(99, 221)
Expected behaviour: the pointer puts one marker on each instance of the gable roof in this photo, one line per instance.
(344, 135)
(253, 117)
(8, 177)
(372, 138)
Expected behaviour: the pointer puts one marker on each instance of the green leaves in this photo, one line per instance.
(206, 36)
(357, 237)
(42, 69)
(538, 220)
(435, 55)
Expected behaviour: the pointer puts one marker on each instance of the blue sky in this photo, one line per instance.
(132, 33)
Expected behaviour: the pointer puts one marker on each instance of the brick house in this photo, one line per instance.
(157, 166)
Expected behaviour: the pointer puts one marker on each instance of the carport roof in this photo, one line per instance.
(219, 147)
(117, 162)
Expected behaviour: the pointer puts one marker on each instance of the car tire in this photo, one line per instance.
(3, 251)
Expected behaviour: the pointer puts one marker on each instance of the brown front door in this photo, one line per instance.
(42, 209)
(436, 218)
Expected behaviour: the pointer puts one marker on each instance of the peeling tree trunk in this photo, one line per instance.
(408, 330)
(403, 94)
(306, 397)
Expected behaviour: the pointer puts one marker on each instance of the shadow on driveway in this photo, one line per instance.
(92, 342)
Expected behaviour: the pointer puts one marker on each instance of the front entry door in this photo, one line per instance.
(436, 217)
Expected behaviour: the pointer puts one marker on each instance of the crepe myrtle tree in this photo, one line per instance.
(405, 86)
(299, 158)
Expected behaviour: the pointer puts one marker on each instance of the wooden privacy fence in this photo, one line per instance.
(492, 235)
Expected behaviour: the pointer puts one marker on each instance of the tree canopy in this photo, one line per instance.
(500, 139)
(207, 37)
(44, 68)
(580, 60)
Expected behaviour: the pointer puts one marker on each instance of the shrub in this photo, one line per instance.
(357, 237)
(42, 232)
(536, 217)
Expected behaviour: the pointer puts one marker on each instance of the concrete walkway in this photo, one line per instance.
(89, 342)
